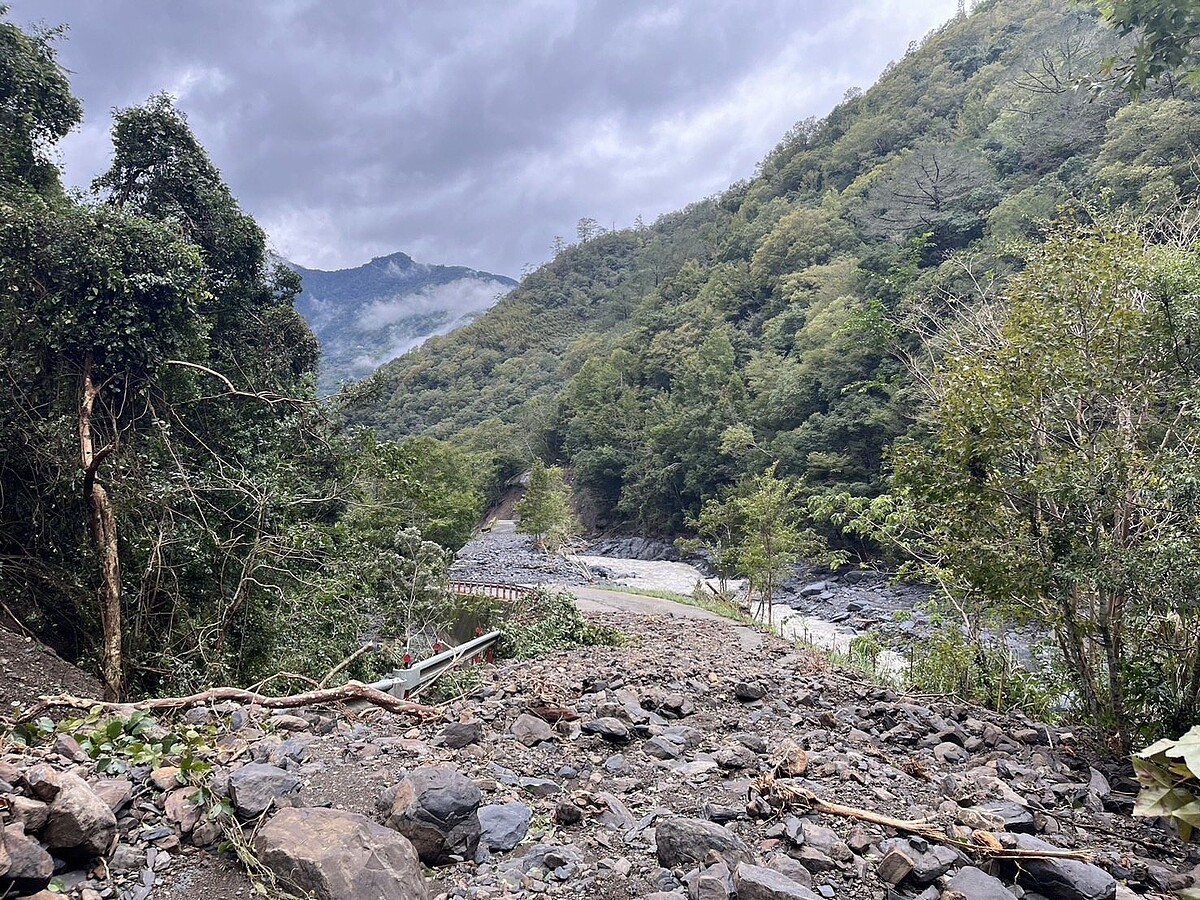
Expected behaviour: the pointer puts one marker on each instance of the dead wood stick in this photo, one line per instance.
(988, 847)
(368, 646)
(352, 690)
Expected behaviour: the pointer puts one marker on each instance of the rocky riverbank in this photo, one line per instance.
(677, 765)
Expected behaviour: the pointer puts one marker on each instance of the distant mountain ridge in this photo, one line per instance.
(373, 313)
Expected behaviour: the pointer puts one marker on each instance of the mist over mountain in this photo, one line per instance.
(380, 310)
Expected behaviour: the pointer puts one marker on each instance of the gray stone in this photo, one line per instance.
(116, 792)
(749, 691)
(934, 863)
(181, 807)
(758, 883)
(975, 884)
(504, 825)
(29, 866)
(331, 854)
(256, 787)
(714, 883)
(792, 868)
(457, 735)
(1058, 879)
(437, 809)
(29, 814)
(42, 782)
(896, 865)
(79, 822)
(686, 843)
(661, 748)
(540, 787)
(530, 730)
(734, 756)
(609, 728)
(1013, 816)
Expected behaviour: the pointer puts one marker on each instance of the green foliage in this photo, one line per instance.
(37, 108)
(1055, 485)
(755, 532)
(243, 525)
(547, 621)
(1167, 771)
(545, 510)
(1166, 30)
(117, 743)
(777, 308)
(948, 661)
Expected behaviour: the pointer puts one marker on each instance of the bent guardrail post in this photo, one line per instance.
(408, 681)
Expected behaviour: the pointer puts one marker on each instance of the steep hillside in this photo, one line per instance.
(664, 363)
(371, 314)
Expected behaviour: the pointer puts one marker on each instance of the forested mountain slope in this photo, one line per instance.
(370, 314)
(664, 363)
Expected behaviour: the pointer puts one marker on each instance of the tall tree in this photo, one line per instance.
(37, 108)
(1061, 477)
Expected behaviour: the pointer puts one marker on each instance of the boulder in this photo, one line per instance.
(1058, 879)
(530, 730)
(457, 735)
(437, 809)
(609, 728)
(504, 825)
(975, 884)
(685, 843)
(256, 787)
(29, 866)
(42, 782)
(116, 792)
(78, 822)
(29, 814)
(331, 854)
(749, 691)
(182, 808)
(758, 883)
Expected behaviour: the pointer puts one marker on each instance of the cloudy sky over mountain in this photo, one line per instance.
(471, 132)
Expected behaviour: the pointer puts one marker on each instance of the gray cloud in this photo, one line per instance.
(471, 132)
(460, 299)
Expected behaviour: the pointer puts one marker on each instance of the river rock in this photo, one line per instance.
(504, 825)
(332, 854)
(758, 883)
(975, 884)
(29, 866)
(685, 843)
(116, 792)
(457, 735)
(42, 782)
(1058, 879)
(609, 728)
(437, 809)
(182, 809)
(78, 820)
(531, 730)
(749, 691)
(255, 787)
(29, 814)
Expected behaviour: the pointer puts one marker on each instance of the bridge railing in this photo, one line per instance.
(489, 589)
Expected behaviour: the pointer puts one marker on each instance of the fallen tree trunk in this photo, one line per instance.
(352, 690)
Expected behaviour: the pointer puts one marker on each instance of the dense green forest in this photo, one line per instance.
(177, 508)
(663, 363)
(954, 319)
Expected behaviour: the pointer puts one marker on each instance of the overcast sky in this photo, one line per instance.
(471, 132)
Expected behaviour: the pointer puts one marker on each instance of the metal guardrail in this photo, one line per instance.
(488, 589)
(406, 682)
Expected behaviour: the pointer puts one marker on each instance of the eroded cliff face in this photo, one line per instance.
(688, 761)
